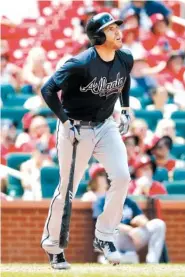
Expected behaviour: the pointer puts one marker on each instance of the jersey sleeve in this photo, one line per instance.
(64, 73)
(127, 59)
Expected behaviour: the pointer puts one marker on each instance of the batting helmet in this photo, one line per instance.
(95, 26)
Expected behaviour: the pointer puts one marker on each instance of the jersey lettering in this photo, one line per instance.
(103, 88)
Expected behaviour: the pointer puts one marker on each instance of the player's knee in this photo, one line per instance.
(158, 225)
(161, 225)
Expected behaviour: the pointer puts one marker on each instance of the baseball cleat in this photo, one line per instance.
(58, 261)
(109, 250)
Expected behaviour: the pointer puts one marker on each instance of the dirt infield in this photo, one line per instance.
(94, 270)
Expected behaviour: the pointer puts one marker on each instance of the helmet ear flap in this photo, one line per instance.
(99, 38)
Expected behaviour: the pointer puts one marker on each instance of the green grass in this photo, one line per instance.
(94, 270)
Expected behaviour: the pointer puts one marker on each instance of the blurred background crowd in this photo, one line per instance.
(40, 39)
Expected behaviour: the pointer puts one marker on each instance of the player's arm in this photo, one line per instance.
(127, 60)
(59, 81)
(139, 219)
(124, 99)
(49, 93)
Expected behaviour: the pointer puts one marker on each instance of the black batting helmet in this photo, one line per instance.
(95, 26)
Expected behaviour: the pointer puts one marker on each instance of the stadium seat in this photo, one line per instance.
(6, 92)
(137, 92)
(178, 115)
(178, 151)
(15, 114)
(175, 187)
(50, 180)
(46, 112)
(175, 197)
(137, 197)
(14, 160)
(180, 127)
(27, 89)
(151, 117)
(82, 188)
(179, 174)
(49, 177)
(16, 100)
(161, 174)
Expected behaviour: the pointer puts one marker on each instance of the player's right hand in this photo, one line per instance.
(72, 132)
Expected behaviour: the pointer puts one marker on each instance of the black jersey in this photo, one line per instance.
(91, 86)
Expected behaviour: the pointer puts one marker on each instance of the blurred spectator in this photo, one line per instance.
(140, 129)
(166, 127)
(37, 101)
(130, 40)
(7, 145)
(175, 69)
(135, 232)
(11, 74)
(98, 184)
(38, 132)
(144, 169)
(31, 172)
(132, 145)
(140, 80)
(161, 39)
(8, 138)
(131, 19)
(36, 68)
(160, 149)
(173, 77)
(144, 9)
(159, 97)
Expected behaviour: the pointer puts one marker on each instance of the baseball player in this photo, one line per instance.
(91, 83)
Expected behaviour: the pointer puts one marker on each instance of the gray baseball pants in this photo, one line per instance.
(104, 142)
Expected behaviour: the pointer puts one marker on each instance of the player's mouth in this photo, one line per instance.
(118, 39)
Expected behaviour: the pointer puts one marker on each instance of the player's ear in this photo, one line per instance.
(100, 38)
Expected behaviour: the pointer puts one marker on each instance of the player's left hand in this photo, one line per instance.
(124, 122)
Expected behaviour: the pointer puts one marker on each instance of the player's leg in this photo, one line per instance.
(50, 238)
(111, 152)
(157, 229)
(152, 234)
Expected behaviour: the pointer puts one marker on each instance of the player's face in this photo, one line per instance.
(113, 36)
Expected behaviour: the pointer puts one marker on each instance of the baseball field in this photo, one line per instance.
(94, 270)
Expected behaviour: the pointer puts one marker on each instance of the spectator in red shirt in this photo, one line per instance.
(38, 132)
(140, 129)
(161, 39)
(8, 137)
(160, 149)
(174, 72)
(144, 169)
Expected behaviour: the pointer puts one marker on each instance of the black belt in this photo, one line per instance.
(87, 123)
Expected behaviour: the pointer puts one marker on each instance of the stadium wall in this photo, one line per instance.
(22, 225)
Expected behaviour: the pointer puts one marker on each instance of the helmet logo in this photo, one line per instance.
(103, 88)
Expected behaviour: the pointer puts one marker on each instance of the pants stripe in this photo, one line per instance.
(47, 227)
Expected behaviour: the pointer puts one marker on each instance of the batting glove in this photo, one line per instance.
(124, 122)
(72, 131)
